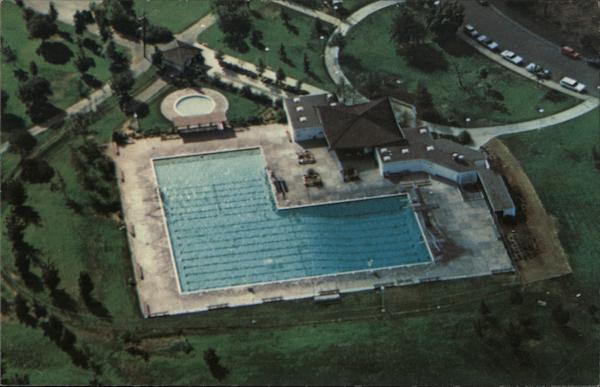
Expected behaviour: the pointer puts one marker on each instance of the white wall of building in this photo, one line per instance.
(426, 166)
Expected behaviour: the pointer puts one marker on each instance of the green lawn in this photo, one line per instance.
(558, 160)
(370, 49)
(266, 18)
(63, 78)
(176, 15)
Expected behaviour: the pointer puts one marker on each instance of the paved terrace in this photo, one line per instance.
(466, 225)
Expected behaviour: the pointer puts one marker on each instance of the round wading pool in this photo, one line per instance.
(194, 105)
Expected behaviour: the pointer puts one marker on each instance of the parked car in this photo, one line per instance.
(467, 29)
(571, 84)
(484, 39)
(493, 46)
(571, 53)
(539, 71)
(594, 62)
(483, 2)
(512, 57)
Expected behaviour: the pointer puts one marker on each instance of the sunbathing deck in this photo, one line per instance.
(468, 225)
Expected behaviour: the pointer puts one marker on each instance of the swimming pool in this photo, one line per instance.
(193, 105)
(225, 229)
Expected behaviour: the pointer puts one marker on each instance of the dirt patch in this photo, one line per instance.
(533, 237)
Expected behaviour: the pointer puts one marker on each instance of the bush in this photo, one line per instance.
(158, 34)
(36, 171)
(426, 58)
(55, 52)
(93, 46)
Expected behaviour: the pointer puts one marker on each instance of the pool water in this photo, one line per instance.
(225, 229)
(193, 105)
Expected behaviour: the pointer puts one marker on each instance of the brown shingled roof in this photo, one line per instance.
(181, 54)
(360, 126)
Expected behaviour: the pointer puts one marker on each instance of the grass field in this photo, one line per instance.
(176, 15)
(370, 49)
(63, 78)
(266, 18)
(559, 163)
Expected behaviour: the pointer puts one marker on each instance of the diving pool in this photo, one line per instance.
(225, 229)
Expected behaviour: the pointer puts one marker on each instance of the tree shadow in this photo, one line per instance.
(291, 28)
(96, 308)
(425, 58)
(55, 52)
(45, 113)
(455, 47)
(33, 282)
(66, 36)
(63, 300)
(91, 81)
(11, 122)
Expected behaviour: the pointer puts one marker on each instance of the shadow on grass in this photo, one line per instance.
(11, 122)
(456, 48)
(55, 52)
(63, 300)
(97, 309)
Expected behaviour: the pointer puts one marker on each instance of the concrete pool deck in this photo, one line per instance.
(468, 224)
(168, 105)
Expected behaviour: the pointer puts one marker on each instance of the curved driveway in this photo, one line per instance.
(533, 48)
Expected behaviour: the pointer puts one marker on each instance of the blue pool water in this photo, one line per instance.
(225, 229)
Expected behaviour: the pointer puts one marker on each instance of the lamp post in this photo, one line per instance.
(467, 120)
(143, 20)
(137, 122)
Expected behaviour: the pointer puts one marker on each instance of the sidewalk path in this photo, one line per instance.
(483, 134)
(310, 12)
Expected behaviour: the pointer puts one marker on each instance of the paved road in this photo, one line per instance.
(533, 48)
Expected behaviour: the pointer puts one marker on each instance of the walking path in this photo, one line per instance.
(483, 134)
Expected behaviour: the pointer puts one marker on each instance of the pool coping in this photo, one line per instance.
(424, 238)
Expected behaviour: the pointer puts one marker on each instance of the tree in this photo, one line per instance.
(22, 142)
(280, 75)
(8, 54)
(318, 27)
(13, 192)
(233, 21)
(33, 69)
(34, 92)
(53, 13)
(158, 34)
(103, 23)
(22, 312)
(53, 328)
(447, 19)
(284, 16)
(123, 19)
(121, 84)
(424, 99)
(306, 63)
(213, 362)
(79, 22)
(41, 26)
(21, 75)
(23, 264)
(407, 30)
(157, 57)
(256, 39)
(261, 67)
(51, 277)
(86, 286)
(36, 171)
(282, 53)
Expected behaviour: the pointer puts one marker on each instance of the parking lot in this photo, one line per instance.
(533, 48)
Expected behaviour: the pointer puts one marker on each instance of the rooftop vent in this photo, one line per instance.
(302, 119)
(299, 108)
(429, 148)
(423, 130)
(387, 158)
(296, 99)
(404, 150)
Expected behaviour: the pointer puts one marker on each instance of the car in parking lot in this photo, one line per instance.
(594, 62)
(471, 31)
(571, 84)
(484, 39)
(512, 57)
(538, 71)
(493, 46)
(483, 2)
(570, 52)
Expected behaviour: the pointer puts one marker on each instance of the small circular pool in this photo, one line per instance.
(194, 105)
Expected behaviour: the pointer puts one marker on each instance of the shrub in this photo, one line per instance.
(426, 58)
(55, 52)
(36, 171)
(158, 34)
